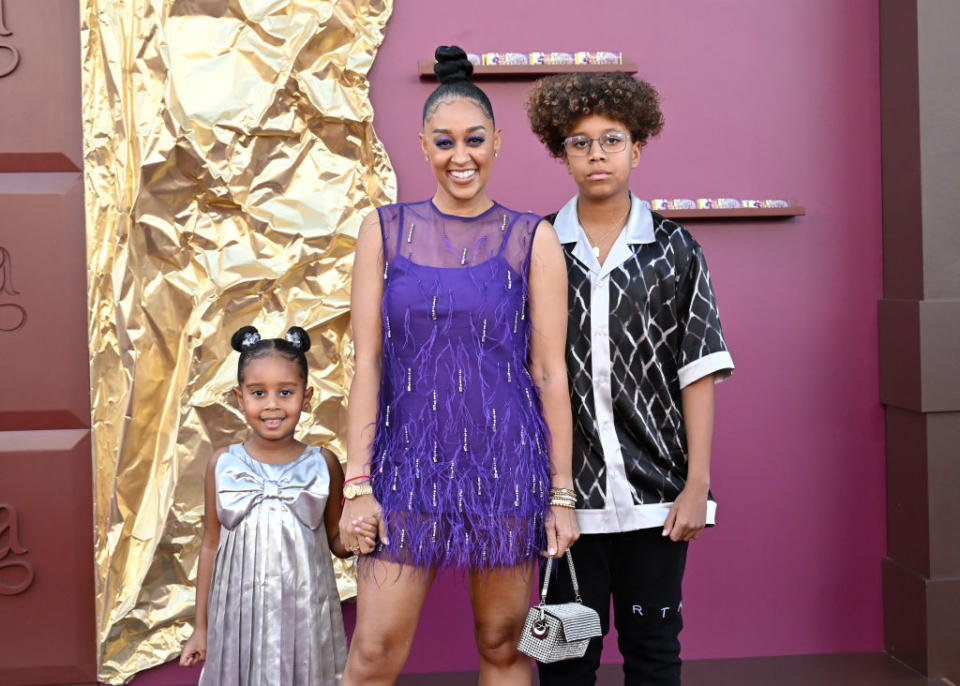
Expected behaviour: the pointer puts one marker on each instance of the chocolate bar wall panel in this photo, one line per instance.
(919, 364)
(939, 81)
(943, 599)
(908, 539)
(920, 332)
(47, 622)
(905, 614)
(943, 450)
(43, 309)
(40, 86)
(899, 325)
(940, 352)
(46, 569)
(921, 619)
(900, 136)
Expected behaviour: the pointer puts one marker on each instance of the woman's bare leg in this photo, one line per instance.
(389, 599)
(500, 600)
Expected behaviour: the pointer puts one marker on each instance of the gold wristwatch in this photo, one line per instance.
(351, 491)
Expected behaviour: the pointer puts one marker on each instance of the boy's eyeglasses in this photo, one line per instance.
(578, 146)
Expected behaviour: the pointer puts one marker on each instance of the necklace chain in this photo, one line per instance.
(616, 225)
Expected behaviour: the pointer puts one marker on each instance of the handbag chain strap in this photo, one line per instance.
(546, 581)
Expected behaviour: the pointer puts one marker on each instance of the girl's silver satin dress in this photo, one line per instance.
(274, 611)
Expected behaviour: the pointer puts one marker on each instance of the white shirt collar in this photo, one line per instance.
(639, 227)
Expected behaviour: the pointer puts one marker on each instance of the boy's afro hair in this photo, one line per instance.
(557, 103)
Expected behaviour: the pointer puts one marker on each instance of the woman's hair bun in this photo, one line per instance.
(298, 338)
(452, 64)
(244, 338)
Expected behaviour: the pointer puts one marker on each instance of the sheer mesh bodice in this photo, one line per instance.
(460, 459)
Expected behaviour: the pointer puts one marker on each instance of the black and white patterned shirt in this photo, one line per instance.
(642, 325)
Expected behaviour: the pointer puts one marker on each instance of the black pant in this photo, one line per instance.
(643, 571)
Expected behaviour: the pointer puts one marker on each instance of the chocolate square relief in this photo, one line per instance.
(43, 303)
(40, 123)
(46, 566)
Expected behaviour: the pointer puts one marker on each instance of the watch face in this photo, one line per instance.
(349, 491)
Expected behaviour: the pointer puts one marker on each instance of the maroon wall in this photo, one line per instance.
(46, 518)
(761, 98)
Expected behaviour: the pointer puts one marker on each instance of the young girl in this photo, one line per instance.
(644, 349)
(272, 516)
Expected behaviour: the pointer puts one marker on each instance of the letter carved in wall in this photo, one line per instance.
(16, 575)
(7, 65)
(12, 316)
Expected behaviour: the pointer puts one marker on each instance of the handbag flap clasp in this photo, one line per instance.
(577, 621)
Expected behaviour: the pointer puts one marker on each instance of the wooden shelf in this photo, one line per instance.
(736, 213)
(425, 68)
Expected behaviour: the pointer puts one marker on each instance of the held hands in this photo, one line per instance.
(361, 523)
(687, 516)
(195, 649)
(365, 532)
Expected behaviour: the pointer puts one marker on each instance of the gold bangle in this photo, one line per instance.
(563, 492)
(556, 496)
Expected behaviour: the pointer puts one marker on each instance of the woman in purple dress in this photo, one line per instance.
(459, 416)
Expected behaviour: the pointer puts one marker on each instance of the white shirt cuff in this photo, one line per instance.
(718, 363)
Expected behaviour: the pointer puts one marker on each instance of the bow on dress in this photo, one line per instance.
(296, 489)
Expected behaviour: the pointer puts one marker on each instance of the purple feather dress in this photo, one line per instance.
(460, 461)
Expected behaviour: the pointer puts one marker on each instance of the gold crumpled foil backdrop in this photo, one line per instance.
(229, 157)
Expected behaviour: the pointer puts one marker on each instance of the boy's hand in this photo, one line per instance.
(687, 516)
(194, 650)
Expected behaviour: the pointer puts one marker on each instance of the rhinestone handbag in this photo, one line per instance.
(562, 631)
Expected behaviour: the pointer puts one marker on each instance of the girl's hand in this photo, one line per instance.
(366, 532)
(688, 515)
(562, 530)
(367, 509)
(194, 650)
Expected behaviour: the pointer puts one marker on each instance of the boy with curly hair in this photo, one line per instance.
(644, 350)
